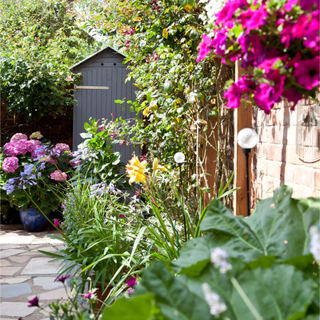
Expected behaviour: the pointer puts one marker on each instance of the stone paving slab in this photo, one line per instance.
(47, 283)
(9, 271)
(16, 309)
(14, 290)
(10, 252)
(15, 279)
(41, 266)
(19, 251)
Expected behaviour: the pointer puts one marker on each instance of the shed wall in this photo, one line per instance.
(100, 104)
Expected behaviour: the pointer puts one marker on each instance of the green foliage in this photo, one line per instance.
(39, 42)
(95, 158)
(273, 274)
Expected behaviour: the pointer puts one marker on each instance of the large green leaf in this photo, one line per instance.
(176, 296)
(279, 228)
(138, 308)
(280, 292)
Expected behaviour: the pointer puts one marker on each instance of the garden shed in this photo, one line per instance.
(102, 82)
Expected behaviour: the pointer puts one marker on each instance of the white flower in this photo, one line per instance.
(213, 300)
(315, 243)
(218, 258)
(143, 43)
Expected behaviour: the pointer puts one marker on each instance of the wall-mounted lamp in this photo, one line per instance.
(247, 139)
(179, 158)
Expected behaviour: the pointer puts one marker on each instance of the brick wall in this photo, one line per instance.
(56, 130)
(274, 159)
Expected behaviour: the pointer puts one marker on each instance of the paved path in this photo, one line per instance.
(25, 272)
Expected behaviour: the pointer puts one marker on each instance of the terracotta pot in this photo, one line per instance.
(101, 297)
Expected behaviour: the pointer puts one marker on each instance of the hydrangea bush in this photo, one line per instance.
(32, 169)
(278, 40)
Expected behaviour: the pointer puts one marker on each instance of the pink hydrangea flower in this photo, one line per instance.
(24, 146)
(58, 176)
(60, 148)
(18, 136)
(10, 164)
(36, 135)
(9, 149)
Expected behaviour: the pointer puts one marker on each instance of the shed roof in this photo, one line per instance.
(94, 55)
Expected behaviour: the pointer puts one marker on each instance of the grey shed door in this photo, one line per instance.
(100, 104)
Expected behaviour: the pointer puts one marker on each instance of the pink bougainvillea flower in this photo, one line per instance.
(253, 19)
(279, 81)
(308, 5)
(130, 291)
(306, 73)
(254, 51)
(307, 26)
(205, 47)
(268, 64)
(229, 9)
(292, 95)
(18, 136)
(10, 164)
(290, 3)
(219, 42)
(236, 90)
(286, 33)
(264, 97)
(296, 58)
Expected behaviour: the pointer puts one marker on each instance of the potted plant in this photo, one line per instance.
(31, 170)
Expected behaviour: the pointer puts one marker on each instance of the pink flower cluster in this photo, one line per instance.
(18, 137)
(60, 148)
(10, 164)
(281, 44)
(20, 147)
(58, 176)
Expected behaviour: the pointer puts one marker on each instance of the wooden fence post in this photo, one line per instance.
(242, 119)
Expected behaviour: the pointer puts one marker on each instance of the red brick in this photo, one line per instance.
(270, 152)
(272, 118)
(289, 173)
(278, 153)
(273, 169)
(261, 166)
(304, 176)
(280, 135)
(291, 135)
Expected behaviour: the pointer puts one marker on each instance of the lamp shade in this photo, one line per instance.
(179, 157)
(247, 138)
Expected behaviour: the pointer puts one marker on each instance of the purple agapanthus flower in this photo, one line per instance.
(34, 302)
(63, 278)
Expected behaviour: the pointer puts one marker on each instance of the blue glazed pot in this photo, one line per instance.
(32, 221)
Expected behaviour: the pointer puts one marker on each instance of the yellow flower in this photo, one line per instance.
(146, 111)
(156, 166)
(136, 170)
(188, 8)
(165, 33)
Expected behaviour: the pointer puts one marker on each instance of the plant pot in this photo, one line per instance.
(101, 297)
(32, 221)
